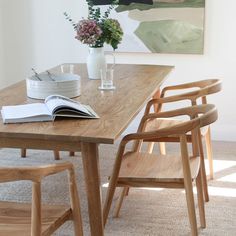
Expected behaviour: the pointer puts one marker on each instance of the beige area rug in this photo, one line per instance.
(144, 212)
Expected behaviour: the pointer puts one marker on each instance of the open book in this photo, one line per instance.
(54, 105)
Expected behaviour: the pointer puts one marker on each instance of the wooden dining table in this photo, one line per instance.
(135, 85)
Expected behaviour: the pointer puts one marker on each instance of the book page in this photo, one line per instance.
(24, 111)
(54, 102)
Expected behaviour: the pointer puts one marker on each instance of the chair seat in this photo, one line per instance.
(15, 218)
(153, 169)
(163, 123)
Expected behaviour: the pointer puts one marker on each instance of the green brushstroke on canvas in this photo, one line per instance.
(170, 36)
(142, 7)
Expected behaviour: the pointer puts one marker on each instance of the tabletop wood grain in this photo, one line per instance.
(135, 84)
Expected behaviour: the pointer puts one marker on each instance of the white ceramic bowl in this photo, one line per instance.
(64, 84)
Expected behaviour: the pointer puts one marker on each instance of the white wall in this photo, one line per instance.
(1, 45)
(36, 34)
(17, 40)
(54, 41)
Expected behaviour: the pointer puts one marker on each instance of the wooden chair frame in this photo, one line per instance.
(209, 116)
(205, 88)
(36, 174)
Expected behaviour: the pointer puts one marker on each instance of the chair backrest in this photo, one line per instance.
(8, 174)
(204, 88)
(200, 115)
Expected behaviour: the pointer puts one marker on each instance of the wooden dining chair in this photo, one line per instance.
(202, 88)
(36, 219)
(143, 169)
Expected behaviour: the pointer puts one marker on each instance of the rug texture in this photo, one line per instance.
(145, 211)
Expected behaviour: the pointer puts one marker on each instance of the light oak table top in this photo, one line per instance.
(135, 85)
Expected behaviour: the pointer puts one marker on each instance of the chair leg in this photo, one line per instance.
(162, 147)
(36, 221)
(71, 153)
(201, 206)
(191, 208)
(127, 191)
(209, 152)
(188, 185)
(150, 147)
(203, 170)
(23, 152)
(120, 201)
(56, 155)
(112, 183)
(75, 205)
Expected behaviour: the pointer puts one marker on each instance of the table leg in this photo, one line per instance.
(92, 179)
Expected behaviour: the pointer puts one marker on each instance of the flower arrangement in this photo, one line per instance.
(98, 28)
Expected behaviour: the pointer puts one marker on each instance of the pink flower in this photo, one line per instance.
(88, 31)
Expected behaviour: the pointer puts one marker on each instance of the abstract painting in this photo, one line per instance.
(161, 26)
